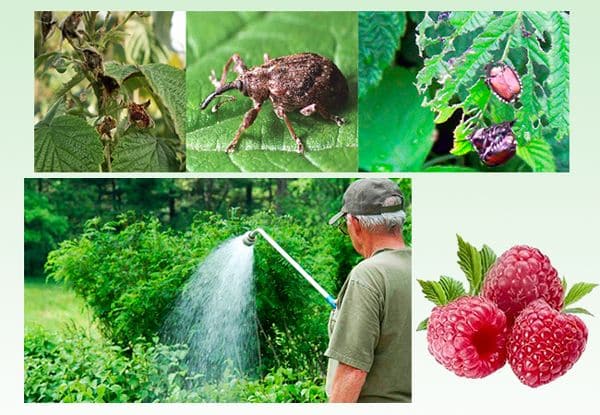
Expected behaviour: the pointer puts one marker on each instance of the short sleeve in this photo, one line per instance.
(356, 326)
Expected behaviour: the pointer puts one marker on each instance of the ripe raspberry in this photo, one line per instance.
(468, 336)
(521, 275)
(544, 343)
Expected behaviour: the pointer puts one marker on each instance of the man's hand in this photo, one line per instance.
(347, 383)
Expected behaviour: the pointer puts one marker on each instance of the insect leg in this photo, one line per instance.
(247, 122)
(328, 116)
(282, 115)
(266, 58)
(308, 110)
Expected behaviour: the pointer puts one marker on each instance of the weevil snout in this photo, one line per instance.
(237, 84)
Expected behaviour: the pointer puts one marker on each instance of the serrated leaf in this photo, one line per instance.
(488, 257)
(558, 79)
(458, 66)
(469, 261)
(423, 325)
(452, 288)
(267, 145)
(578, 291)
(538, 155)
(120, 71)
(480, 53)
(168, 85)
(395, 131)
(142, 152)
(577, 310)
(379, 36)
(433, 291)
(461, 143)
(67, 144)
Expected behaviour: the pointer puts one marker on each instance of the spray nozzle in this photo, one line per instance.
(250, 238)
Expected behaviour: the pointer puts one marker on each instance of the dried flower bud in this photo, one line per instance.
(138, 115)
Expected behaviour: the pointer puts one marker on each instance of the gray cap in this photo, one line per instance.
(366, 197)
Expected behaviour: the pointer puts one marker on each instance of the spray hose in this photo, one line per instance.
(250, 239)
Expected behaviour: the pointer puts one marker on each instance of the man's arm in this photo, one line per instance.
(347, 383)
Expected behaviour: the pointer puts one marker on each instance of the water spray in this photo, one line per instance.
(249, 239)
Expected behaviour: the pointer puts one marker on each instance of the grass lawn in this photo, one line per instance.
(54, 307)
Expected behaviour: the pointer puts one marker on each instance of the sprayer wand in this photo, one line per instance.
(250, 239)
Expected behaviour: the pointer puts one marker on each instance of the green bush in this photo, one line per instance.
(130, 272)
(76, 368)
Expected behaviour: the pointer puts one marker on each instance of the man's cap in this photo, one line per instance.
(367, 196)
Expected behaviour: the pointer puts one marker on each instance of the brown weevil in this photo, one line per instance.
(304, 81)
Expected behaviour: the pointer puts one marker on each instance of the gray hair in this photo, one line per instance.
(388, 222)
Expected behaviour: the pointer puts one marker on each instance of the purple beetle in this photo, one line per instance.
(504, 81)
(496, 144)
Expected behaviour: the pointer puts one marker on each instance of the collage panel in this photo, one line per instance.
(109, 91)
(218, 290)
(505, 294)
(464, 91)
(272, 91)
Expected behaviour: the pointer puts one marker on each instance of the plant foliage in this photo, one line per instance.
(267, 146)
(85, 90)
(459, 46)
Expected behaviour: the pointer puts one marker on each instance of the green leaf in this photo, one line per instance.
(267, 146)
(137, 151)
(379, 36)
(577, 310)
(434, 292)
(558, 78)
(168, 85)
(469, 66)
(578, 291)
(469, 260)
(423, 325)
(488, 257)
(396, 132)
(456, 52)
(452, 288)
(120, 71)
(67, 144)
(538, 155)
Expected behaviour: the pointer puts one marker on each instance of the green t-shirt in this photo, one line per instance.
(371, 327)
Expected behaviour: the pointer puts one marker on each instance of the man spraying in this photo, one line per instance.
(370, 330)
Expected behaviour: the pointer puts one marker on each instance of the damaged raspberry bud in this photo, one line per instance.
(69, 27)
(138, 115)
(504, 81)
(105, 127)
(93, 61)
(47, 22)
(496, 144)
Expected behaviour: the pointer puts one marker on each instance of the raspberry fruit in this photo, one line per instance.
(521, 275)
(544, 343)
(468, 336)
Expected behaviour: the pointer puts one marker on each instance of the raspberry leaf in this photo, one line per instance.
(578, 291)
(433, 292)
(469, 260)
(488, 257)
(423, 325)
(577, 310)
(443, 291)
(452, 288)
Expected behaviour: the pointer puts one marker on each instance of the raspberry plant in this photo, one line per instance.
(103, 101)
(458, 45)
